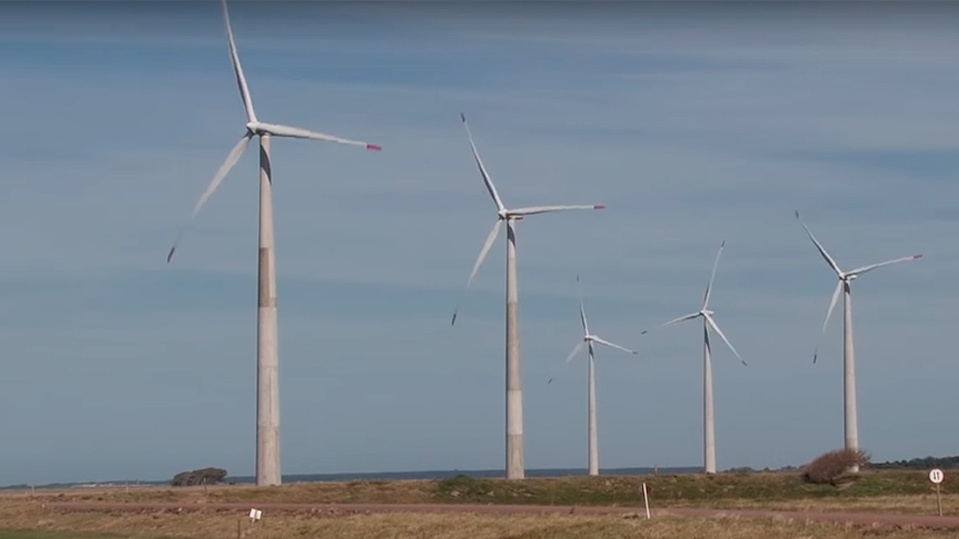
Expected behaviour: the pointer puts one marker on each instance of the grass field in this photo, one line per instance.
(466, 526)
(887, 491)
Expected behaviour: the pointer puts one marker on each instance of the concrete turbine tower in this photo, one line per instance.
(267, 385)
(850, 425)
(515, 468)
(588, 341)
(709, 427)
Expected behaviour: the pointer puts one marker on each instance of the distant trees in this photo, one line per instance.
(833, 467)
(920, 463)
(204, 476)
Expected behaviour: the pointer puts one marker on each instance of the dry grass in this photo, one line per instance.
(397, 491)
(888, 492)
(459, 526)
(910, 491)
(916, 504)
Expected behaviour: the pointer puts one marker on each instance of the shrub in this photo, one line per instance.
(205, 476)
(833, 467)
(464, 486)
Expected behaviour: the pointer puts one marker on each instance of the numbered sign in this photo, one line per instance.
(936, 476)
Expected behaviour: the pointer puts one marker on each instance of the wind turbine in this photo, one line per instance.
(588, 340)
(709, 428)
(515, 468)
(267, 394)
(850, 419)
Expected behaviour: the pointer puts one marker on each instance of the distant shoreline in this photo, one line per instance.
(924, 463)
(426, 474)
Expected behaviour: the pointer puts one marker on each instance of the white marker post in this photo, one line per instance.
(646, 501)
(936, 476)
(255, 515)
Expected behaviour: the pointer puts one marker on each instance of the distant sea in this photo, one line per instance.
(428, 474)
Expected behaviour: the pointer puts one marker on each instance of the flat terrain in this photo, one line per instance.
(900, 492)
(880, 504)
(455, 522)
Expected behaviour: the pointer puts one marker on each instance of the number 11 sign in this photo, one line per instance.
(936, 476)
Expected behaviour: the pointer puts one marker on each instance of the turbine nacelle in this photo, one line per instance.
(706, 312)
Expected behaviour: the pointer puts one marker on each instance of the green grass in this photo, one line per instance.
(724, 489)
(672, 488)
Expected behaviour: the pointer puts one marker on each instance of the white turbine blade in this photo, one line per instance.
(575, 351)
(712, 324)
(822, 251)
(237, 69)
(533, 210)
(479, 260)
(582, 310)
(864, 269)
(612, 345)
(224, 169)
(712, 277)
(479, 162)
(297, 132)
(832, 305)
(675, 321)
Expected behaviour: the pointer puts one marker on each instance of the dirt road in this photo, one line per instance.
(330, 509)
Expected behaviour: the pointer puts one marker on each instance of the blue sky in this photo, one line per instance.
(692, 123)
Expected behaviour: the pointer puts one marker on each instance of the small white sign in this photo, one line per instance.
(936, 476)
(255, 514)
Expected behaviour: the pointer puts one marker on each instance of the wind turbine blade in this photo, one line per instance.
(169, 254)
(297, 132)
(712, 324)
(575, 351)
(582, 310)
(224, 169)
(864, 269)
(479, 162)
(221, 173)
(822, 251)
(533, 210)
(237, 69)
(479, 260)
(675, 321)
(832, 305)
(612, 345)
(713, 275)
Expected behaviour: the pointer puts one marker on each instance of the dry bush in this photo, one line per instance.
(833, 467)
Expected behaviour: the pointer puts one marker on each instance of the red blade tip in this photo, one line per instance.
(373, 147)
(599, 206)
